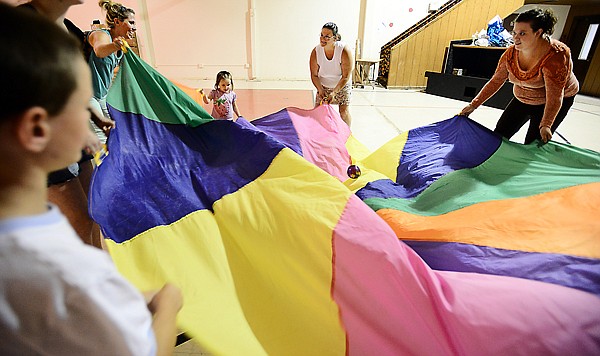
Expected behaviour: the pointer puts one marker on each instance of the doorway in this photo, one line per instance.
(583, 41)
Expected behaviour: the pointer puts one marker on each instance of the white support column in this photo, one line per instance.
(251, 52)
(146, 45)
(362, 19)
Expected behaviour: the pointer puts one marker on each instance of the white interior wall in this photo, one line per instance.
(185, 38)
(385, 20)
(259, 39)
(194, 39)
(198, 38)
(287, 31)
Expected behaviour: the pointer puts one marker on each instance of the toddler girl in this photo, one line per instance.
(223, 97)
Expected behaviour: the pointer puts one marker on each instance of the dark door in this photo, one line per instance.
(576, 41)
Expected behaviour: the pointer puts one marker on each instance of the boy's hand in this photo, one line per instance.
(92, 144)
(105, 124)
(168, 297)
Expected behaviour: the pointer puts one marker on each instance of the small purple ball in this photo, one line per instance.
(353, 171)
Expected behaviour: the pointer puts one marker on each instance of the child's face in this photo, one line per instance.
(70, 128)
(225, 85)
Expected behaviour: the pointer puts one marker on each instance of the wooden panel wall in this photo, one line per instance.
(424, 50)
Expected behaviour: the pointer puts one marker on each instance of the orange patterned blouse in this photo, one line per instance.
(547, 82)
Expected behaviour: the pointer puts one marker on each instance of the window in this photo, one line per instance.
(587, 43)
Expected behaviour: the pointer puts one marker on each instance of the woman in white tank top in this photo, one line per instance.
(330, 67)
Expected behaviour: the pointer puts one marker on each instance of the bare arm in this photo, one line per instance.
(490, 88)
(204, 98)
(103, 123)
(556, 71)
(235, 109)
(164, 307)
(102, 45)
(347, 64)
(314, 71)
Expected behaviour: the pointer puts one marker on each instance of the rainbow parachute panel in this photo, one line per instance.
(277, 251)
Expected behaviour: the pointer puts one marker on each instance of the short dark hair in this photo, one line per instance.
(334, 29)
(538, 18)
(36, 65)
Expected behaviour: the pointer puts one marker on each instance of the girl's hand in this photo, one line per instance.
(119, 43)
(467, 110)
(545, 133)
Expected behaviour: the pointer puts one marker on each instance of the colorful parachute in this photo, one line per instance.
(276, 254)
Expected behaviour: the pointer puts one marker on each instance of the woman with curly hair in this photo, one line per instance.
(541, 70)
(107, 44)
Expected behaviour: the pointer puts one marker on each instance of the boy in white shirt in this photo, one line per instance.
(57, 295)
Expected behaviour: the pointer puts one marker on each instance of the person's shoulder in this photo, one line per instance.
(557, 47)
(82, 293)
(559, 55)
(48, 257)
(344, 48)
(97, 32)
(47, 240)
(59, 254)
(53, 275)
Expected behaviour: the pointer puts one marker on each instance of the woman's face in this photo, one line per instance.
(326, 37)
(125, 28)
(524, 36)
